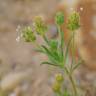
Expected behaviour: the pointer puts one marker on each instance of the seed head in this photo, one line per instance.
(59, 77)
(28, 34)
(74, 21)
(56, 87)
(40, 26)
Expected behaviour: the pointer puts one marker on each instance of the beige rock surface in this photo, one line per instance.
(19, 56)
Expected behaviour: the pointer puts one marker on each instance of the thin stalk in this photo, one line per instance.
(73, 51)
(73, 48)
(72, 81)
(61, 36)
(73, 85)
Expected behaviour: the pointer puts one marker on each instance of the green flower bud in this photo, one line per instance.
(59, 18)
(28, 34)
(56, 87)
(40, 26)
(59, 78)
(74, 21)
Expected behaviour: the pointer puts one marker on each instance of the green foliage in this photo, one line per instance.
(55, 49)
(53, 45)
(66, 93)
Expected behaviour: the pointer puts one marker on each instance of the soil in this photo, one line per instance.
(19, 56)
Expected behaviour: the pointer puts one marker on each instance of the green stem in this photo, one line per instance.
(72, 81)
(61, 36)
(73, 48)
(73, 51)
(73, 85)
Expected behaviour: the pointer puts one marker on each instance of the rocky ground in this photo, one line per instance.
(18, 57)
(19, 65)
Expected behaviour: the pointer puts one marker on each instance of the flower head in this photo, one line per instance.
(40, 26)
(59, 18)
(59, 77)
(74, 21)
(28, 34)
(56, 87)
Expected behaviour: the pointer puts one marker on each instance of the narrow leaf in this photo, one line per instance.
(48, 63)
(48, 52)
(77, 65)
(46, 40)
(67, 48)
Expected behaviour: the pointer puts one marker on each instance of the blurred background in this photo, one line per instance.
(19, 61)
